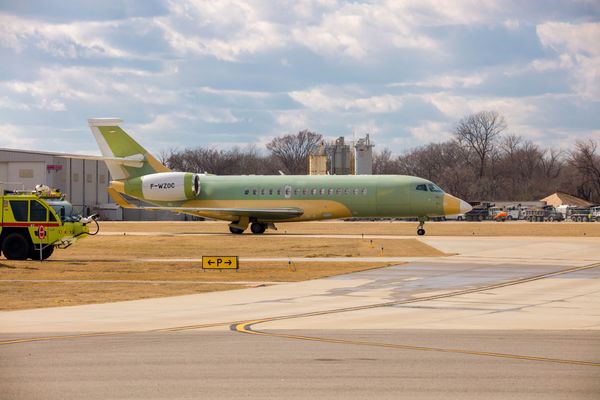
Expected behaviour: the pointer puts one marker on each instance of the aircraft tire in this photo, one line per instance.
(16, 247)
(420, 231)
(236, 231)
(257, 228)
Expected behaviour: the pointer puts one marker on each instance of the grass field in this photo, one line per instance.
(111, 267)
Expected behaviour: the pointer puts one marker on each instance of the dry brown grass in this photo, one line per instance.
(87, 271)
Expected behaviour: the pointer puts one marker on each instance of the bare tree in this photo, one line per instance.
(587, 163)
(383, 164)
(293, 150)
(479, 133)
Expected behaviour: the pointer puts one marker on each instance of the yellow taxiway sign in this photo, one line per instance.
(220, 262)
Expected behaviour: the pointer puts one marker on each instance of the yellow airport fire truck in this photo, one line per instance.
(33, 224)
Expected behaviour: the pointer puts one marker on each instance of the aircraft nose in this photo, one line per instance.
(465, 207)
(454, 205)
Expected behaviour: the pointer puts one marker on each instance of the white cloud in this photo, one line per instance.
(57, 87)
(15, 137)
(330, 98)
(446, 81)
(431, 131)
(291, 120)
(73, 40)
(578, 46)
(226, 29)
(515, 109)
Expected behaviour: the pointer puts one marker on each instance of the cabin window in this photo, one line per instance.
(347, 191)
(270, 192)
(297, 191)
(278, 192)
(322, 191)
(305, 191)
(434, 188)
(37, 212)
(288, 191)
(313, 191)
(364, 191)
(356, 191)
(263, 191)
(422, 188)
(246, 191)
(19, 209)
(254, 191)
(330, 191)
(338, 191)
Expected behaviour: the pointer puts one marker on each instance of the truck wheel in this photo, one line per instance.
(46, 252)
(16, 247)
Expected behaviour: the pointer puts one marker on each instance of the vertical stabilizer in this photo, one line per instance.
(119, 150)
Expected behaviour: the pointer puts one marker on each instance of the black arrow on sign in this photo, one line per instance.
(210, 262)
(228, 262)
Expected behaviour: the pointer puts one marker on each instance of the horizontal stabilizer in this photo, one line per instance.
(136, 161)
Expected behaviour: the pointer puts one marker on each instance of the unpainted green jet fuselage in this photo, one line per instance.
(263, 200)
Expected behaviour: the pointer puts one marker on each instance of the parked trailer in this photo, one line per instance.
(544, 214)
(579, 214)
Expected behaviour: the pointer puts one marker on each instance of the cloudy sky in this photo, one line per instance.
(221, 73)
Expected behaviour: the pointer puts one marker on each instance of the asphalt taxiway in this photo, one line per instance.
(506, 317)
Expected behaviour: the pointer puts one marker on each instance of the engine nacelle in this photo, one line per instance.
(170, 186)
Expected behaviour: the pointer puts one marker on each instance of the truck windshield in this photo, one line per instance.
(64, 209)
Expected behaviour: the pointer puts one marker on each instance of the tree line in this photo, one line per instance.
(480, 162)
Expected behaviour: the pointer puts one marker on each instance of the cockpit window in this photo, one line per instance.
(422, 188)
(434, 188)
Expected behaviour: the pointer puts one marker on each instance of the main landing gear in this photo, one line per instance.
(421, 227)
(236, 231)
(258, 228)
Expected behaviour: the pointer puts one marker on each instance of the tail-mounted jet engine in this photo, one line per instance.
(165, 186)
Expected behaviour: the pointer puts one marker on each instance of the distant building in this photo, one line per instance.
(341, 158)
(317, 161)
(564, 199)
(363, 156)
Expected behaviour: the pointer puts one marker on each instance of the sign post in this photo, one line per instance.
(42, 236)
(220, 262)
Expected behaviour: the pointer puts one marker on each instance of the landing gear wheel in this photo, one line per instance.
(46, 252)
(257, 228)
(236, 231)
(420, 231)
(16, 247)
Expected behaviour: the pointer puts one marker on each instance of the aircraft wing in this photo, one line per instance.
(267, 213)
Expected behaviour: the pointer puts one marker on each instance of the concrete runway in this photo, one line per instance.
(489, 322)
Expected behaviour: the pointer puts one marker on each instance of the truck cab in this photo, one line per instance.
(31, 228)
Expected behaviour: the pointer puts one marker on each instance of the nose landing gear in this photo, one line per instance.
(421, 227)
